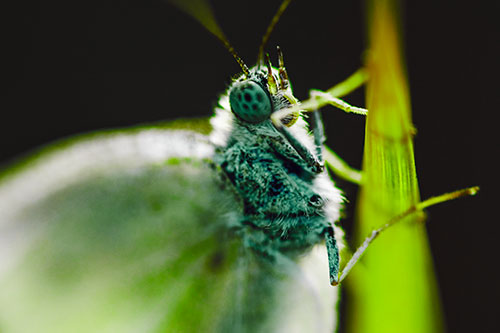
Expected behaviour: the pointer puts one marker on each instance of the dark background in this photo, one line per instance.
(72, 67)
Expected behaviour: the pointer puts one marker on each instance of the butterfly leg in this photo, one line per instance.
(415, 209)
(333, 255)
(341, 168)
(319, 134)
(331, 96)
(331, 243)
(314, 163)
(323, 153)
(319, 98)
(325, 98)
(353, 82)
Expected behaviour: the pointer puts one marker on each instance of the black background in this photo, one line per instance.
(72, 67)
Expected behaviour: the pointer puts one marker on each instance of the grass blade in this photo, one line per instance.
(396, 290)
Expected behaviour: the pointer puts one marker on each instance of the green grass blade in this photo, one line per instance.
(394, 290)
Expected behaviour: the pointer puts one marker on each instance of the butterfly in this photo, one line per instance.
(116, 232)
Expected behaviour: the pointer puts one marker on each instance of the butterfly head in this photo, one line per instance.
(255, 96)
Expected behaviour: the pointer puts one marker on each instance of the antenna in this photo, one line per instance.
(202, 12)
(235, 55)
(270, 28)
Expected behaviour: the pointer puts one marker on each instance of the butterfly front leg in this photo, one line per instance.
(319, 134)
(315, 164)
(333, 255)
(331, 243)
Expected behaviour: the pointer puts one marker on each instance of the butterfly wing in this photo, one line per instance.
(127, 232)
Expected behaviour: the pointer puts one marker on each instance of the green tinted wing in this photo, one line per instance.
(127, 232)
(111, 228)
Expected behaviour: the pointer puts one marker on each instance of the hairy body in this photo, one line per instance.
(288, 205)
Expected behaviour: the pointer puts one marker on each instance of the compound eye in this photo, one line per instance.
(250, 102)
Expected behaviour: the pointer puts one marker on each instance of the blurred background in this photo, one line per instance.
(76, 67)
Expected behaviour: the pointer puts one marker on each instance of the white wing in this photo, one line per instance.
(125, 232)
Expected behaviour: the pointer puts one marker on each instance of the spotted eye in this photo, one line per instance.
(250, 102)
